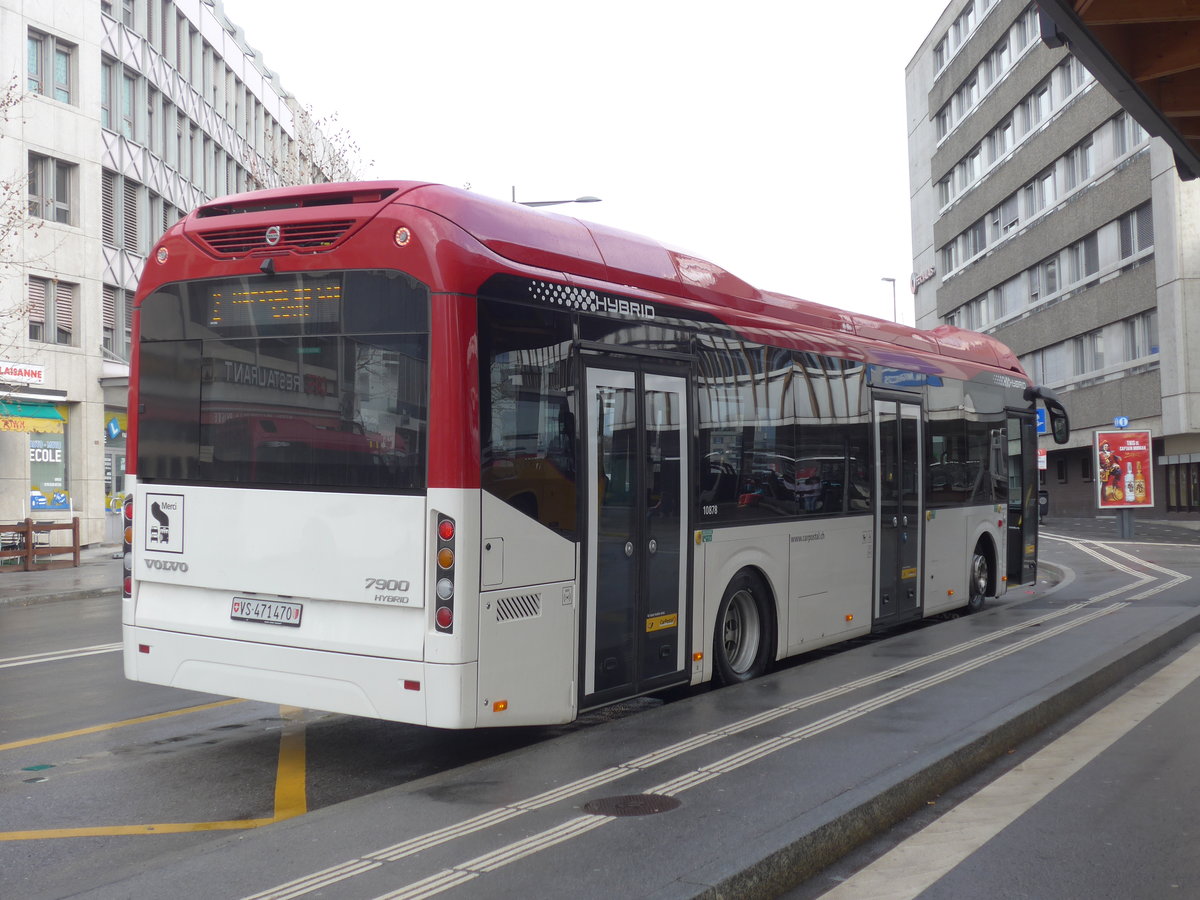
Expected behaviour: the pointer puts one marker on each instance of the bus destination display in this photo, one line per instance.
(273, 303)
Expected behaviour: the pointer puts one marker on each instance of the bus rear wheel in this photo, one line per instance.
(742, 642)
(978, 578)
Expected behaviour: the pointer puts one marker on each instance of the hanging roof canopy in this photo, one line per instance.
(1146, 53)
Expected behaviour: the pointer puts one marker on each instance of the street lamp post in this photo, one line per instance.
(893, 281)
(587, 199)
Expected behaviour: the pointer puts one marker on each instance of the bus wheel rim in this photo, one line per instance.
(979, 575)
(741, 632)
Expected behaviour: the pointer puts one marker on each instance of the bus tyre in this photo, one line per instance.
(743, 639)
(978, 579)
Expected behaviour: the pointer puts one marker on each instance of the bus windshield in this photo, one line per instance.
(305, 380)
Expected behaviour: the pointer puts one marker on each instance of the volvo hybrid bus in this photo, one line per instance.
(402, 451)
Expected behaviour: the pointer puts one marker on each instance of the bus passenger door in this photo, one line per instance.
(899, 510)
(1022, 498)
(636, 549)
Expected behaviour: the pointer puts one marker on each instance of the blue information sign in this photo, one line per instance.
(1121, 422)
(1042, 428)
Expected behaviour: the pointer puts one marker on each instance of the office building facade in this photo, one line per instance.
(1044, 215)
(120, 116)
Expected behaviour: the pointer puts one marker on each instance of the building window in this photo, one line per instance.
(1137, 231)
(950, 257)
(1141, 335)
(1005, 217)
(51, 66)
(1083, 258)
(942, 121)
(1048, 270)
(1061, 466)
(118, 319)
(108, 71)
(121, 224)
(1040, 193)
(944, 190)
(1127, 134)
(50, 184)
(1085, 468)
(128, 121)
(51, 311)
(1036, 107)
(1088, 352)
(1077, 164)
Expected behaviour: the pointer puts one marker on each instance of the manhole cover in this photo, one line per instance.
(631, 805)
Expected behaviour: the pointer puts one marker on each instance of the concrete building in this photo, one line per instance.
(1044, 215)
(122, 116)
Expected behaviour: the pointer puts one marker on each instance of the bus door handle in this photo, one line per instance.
(629, 548)
(895, 521)
(653, 547)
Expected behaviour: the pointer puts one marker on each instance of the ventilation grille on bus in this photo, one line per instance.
(309, 236)
(522, 606)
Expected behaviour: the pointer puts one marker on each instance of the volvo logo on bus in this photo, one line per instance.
(167, 565)
(273, 234)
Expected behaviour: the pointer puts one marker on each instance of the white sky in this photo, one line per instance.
(768, 136)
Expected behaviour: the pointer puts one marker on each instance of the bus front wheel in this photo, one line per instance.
(979, 578)
(742, 642)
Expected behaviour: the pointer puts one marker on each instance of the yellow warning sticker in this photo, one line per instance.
(661, 623)
(908, 572)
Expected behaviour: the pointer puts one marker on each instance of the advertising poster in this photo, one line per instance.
(1123, 470)
(48, 472)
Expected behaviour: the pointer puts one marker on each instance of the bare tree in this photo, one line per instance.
(321, 151)
(16, 225)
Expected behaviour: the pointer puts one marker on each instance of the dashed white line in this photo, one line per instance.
(920, 861)
(458, 874)
(56, 655)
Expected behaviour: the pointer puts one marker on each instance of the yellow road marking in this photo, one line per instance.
(119, 830)
(93, 729)
(291, 797)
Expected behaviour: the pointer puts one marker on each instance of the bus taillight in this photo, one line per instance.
(444, 588)
(127, 547)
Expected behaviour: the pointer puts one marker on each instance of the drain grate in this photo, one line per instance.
(631, 805)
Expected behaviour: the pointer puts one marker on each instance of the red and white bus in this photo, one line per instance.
(402, 451)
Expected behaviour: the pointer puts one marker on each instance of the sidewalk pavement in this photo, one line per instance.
(99, 571)
(98, 574)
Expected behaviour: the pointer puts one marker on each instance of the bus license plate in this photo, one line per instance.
(271, 612)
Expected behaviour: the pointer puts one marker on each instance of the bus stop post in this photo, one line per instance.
(1125, 524)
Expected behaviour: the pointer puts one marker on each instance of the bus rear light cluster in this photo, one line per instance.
(127, 547)
(444, 588)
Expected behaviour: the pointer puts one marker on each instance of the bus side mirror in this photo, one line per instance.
(1060, 426)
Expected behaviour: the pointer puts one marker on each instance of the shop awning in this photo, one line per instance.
(23, 415)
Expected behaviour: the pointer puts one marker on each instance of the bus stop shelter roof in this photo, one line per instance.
(1146, 53)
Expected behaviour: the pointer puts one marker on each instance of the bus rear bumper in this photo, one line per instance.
(398, 690)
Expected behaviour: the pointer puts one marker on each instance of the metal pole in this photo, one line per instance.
(1125, 524)
(893, 281)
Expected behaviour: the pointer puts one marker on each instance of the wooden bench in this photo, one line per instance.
(30, 547)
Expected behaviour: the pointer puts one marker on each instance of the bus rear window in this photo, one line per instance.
(276, 399)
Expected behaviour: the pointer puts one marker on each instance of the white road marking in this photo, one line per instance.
(56, 655)
(917, 863)
(456, 875)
